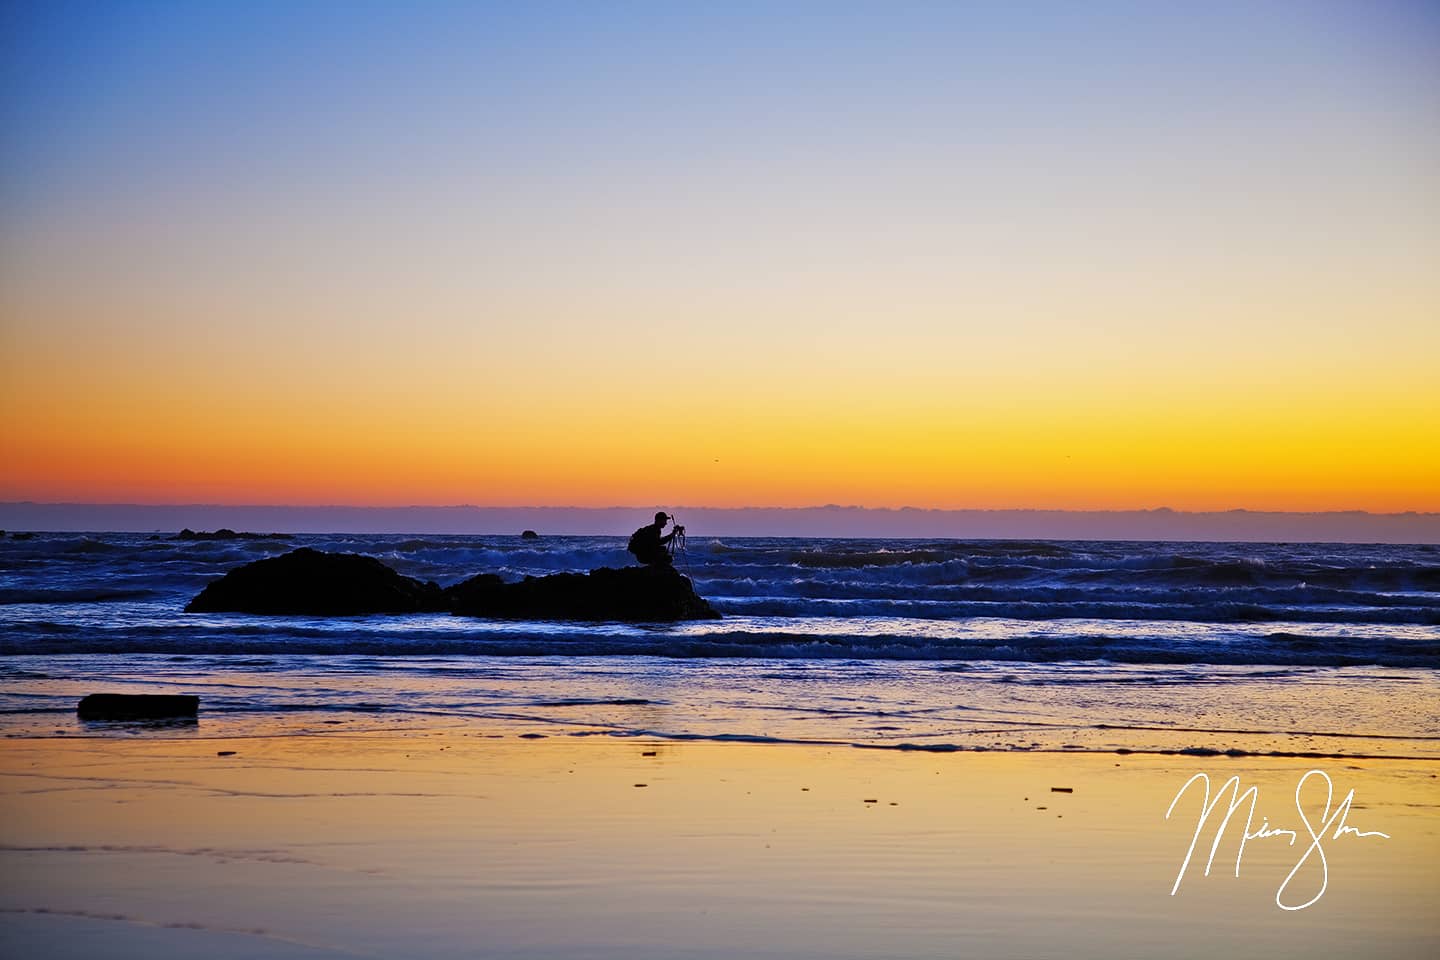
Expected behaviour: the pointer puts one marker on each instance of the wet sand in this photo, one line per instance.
(454, 843)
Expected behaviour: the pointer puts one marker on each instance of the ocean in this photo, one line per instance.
(1312, 649)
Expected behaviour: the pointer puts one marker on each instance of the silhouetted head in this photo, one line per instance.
(660, 518)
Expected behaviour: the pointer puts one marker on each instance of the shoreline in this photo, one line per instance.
(1044, 709)
(1196, 753)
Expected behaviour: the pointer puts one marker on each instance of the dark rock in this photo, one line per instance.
(484, 591)
(136, 706)
(22, 536)
(529, 535)
(636, 594)
(309, 582)
(225, 533)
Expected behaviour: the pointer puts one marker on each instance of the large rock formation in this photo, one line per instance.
(631, 593)
(311, 583)
(308, 582)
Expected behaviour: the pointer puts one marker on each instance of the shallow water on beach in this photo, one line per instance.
(904, 705)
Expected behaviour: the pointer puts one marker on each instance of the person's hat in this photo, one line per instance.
(661, 517)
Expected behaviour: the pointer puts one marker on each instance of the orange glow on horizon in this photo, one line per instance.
(1071, 449)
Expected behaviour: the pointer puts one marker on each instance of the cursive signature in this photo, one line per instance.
(1329, 819)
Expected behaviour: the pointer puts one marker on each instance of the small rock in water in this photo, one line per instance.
(136, 706)
(1062, 789)
(529, 535)
(648, 753)
(532, 736)
(225, 533)
(642, 784)
(224, 753)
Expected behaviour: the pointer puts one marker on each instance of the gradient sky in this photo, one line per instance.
(1058, 255)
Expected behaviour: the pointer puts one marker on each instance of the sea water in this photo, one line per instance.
(934, 644)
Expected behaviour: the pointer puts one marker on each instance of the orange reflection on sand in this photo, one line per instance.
(439, 844)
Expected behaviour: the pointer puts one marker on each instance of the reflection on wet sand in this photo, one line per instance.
(461, 843)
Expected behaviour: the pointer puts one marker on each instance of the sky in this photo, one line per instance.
(944, 255)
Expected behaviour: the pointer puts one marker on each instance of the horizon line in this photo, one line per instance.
(827, 520)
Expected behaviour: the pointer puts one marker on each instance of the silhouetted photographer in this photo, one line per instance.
(650, 547)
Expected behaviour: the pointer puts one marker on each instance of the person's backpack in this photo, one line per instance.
(636, 544)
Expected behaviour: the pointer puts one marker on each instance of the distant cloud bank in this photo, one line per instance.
(826, 521)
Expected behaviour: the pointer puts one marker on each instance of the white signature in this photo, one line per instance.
(1328, 819)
